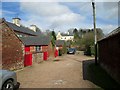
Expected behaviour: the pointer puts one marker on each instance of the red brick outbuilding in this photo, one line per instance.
(12, 48)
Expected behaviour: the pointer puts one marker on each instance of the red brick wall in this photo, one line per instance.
(12, 49)
(109, 56)
(49, 49)
(44, 48)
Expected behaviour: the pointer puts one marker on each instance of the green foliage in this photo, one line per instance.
(92, 50)
(53, 42)
(54, 35)
(76, 34)
(53, 38)
(100, 33)
(88, 50)
(60, 52)
(86, 39)
(69, 43)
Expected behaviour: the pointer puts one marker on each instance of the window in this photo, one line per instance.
(38, 48)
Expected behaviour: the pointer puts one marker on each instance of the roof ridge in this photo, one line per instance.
(114, 32)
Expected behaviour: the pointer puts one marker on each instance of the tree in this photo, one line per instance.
(84, 38)
(54, 35)
(87, 42)
(100, 33)
(88, 39)
(53, 38)
(76, 36)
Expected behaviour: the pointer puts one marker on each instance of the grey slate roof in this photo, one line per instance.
(36, 40)
(21, 29)
(59, 42)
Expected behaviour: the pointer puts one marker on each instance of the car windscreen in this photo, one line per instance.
(71, 49)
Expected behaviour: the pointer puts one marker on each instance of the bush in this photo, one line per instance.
(88, 51)
(60, 52)
(92, 50)
(81, 48)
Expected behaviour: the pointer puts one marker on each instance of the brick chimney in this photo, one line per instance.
(16, 21)
(33, 27)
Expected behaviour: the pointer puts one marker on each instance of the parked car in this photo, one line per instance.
(8, 80)
(71, 51)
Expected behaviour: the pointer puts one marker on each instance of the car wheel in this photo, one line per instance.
(8, 85)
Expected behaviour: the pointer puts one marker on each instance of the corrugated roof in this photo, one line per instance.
(114, 32)
(36, 40)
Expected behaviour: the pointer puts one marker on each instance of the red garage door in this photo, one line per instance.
(45, 55)
(28, 57)
(56, 53)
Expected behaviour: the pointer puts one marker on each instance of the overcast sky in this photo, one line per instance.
(61, 16)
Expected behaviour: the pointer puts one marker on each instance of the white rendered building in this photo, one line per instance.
(64, 37)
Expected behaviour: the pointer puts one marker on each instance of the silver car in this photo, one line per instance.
(8, 80)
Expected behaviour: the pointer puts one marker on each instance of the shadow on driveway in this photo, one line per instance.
(98, 75)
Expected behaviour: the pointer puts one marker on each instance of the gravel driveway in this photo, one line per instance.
(66, 72)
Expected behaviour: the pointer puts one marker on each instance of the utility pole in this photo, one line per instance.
(95, 32)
